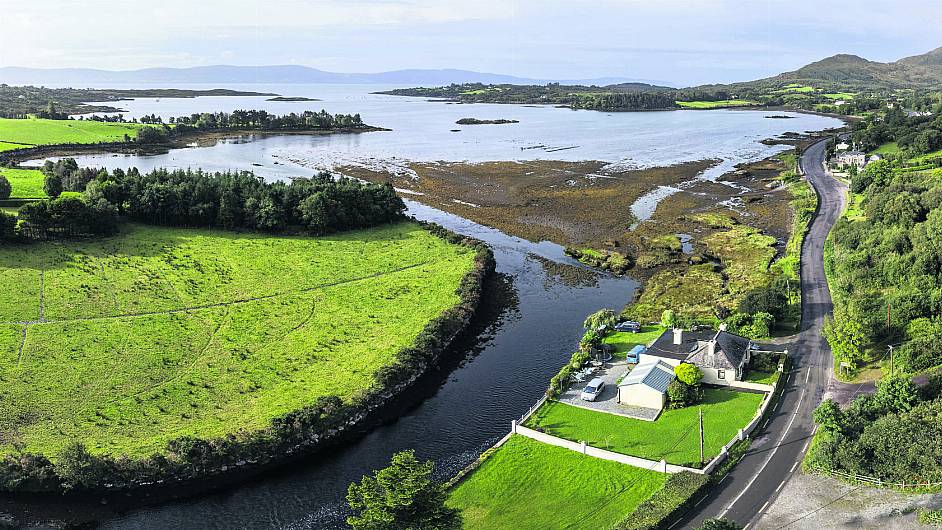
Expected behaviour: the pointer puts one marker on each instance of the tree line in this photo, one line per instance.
(887, 268)
(229, 200)
(245, 119)
(892, 435)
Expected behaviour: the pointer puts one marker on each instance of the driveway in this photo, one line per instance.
(608, 400)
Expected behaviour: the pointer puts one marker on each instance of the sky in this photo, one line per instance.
(681, 42)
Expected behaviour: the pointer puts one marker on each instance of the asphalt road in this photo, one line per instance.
(779, 445)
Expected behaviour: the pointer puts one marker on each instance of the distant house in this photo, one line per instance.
(850, 158)
(646, 385)
(721, 356)
(843, 146)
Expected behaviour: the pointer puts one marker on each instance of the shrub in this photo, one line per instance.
(52, 185)
(930, 517)
(602, 317)
(679, 394)
(5, 188)
(676, 493)
(719, 524)
(764, 300)
(688, 374)
(7, 227)
(403, 495)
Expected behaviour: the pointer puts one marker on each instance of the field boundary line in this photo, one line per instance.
(19, 355)
(230, 303)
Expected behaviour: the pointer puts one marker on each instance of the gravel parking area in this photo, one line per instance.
(812, 501)
(608, 400)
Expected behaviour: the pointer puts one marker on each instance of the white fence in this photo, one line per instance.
(662, 465)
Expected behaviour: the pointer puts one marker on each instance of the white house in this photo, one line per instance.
(646, 385)
(721, 356)
(850, 158)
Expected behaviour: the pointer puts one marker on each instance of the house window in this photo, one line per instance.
(721, 374)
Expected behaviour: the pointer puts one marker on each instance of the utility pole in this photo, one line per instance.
(891, 360)
(700, 410)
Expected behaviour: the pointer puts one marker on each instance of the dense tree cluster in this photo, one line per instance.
(320, 204)
(916, 135)
(890, 260)
(892, 435)
(627, 101)
(260, 119)
(71, 177)
(66, 217)
(403, 495)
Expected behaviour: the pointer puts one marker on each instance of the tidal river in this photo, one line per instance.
(527, 332)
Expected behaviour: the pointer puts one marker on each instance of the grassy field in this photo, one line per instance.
(839, 95)
(526, 484)
(7, 146)
(889, 148)
(796, 88)
(673, 436)
(625, 341)
(34, 131)
(158, 333)
(26, 183)
(715, 104)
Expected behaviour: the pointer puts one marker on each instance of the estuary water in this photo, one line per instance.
(422, 131)
(525, 335)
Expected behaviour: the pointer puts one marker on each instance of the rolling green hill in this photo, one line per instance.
(919, 71)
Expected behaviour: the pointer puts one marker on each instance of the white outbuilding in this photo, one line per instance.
(646, 385)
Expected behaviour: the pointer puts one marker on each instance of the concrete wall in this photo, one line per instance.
(711, 376)
(641, 396)
(581, 447)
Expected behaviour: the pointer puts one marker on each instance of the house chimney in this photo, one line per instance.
(723, 326)
(711, 348)
(678, 336)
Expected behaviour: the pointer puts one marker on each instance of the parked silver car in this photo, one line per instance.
(593, 389)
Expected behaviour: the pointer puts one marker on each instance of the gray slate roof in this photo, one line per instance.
(729, 353)
(654, 373)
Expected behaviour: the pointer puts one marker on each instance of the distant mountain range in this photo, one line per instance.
(286, 74)
(918, 71)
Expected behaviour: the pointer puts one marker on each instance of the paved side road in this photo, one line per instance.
(779, 445)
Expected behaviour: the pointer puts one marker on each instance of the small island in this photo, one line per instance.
(291, 98)
(475, 121)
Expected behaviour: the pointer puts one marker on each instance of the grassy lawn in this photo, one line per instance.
(624, 341)
(715, 104)
(796, 88)
(673, 436)
(925, 157)
(765, 378)
(855, 211)
(271, 324)
(26, 183)
(889, 148)
(527, 484)
(7, 146)
(839, 95)
(37, 131)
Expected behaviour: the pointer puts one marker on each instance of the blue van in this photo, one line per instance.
(634, 355)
